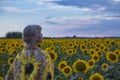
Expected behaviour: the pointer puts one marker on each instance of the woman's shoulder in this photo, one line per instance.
(19, 57)
(45, 54)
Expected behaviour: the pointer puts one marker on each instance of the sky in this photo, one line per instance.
(61, 18)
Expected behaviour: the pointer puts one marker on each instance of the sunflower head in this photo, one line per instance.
(82, 46)
(39, 45)
(1, 62)
(85, 51)
(58, 78)
(95, 58)
(3, 50)
(1, 78)
(105, 49)
(63, 48)
(29, 68)
(90, 63)
(80, 66)
(105, 66)
(67, 71)
(80, 78)
(10, 61)
(53, 55)
(92, 52)
(99, 53)
(96, 76)
(70, 51)
(97, 45)
(62, 64)
(117, 52)
(112, 57)
(48, 50)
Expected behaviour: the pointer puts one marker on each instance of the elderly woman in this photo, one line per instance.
(31, 63)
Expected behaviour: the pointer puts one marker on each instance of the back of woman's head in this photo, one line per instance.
(29, 32)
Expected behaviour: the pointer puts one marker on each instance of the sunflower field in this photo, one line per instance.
(74, 59)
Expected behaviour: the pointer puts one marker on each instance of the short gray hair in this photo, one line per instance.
(30, 31)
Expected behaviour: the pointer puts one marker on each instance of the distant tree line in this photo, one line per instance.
(14, 35)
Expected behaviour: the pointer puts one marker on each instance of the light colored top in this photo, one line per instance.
(32, 64)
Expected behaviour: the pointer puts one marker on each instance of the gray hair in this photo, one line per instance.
(30, 31)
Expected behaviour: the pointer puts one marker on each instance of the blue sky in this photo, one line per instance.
(58, 18)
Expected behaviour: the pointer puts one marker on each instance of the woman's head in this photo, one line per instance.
(32, 33)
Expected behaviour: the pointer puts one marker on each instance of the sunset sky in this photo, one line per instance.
(60, 18)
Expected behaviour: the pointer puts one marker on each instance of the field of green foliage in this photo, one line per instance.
(74, 59)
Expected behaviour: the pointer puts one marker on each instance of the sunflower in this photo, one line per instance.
(91, 63)
(16, 52)
(75, 46)
(4, 43)
(113, 58)
(67, 71)
(29, 69)
(74, 51)
(95, 58)
(11, 51)
(105, 49)
(62, 64)
(82, 46)
(117, 52)
(99, 53)
(80, 78)
(92, 52)
(52, 48)
(107, 42)
(3, 50)
(102, 47)
(97, 45)
(105, 66)
(112, 43)
(21, 46)
(58, 78)
(48, 50)
(70, 45)
(80, 66)
(96, 76)
(70, 51)
(53, 56)
(8, 47)
(85, 51)
(13, 44)
(39, 45)
(63, 49)
(97, 49)
(1, 78)
(10, 61)
(1, 62)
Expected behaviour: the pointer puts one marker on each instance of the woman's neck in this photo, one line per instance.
(31, 45)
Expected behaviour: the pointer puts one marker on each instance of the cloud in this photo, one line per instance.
(43, 7)
(18, 10)
(79, 20)
(63, 17)
(46, 1)
(84, 26)
(62, 7)
(91, 26)
(51, 5)
(111, 6)
(116, 0)
(10, 9)
(72, 22)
